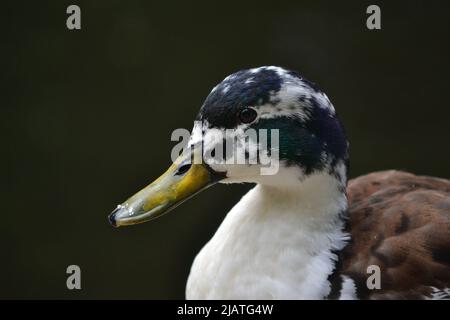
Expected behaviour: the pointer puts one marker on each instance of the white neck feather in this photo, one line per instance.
(276, 243)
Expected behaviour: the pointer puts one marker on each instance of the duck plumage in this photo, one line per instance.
(401, 223)
(302, 232)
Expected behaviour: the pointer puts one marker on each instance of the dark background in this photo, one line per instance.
(86, 118)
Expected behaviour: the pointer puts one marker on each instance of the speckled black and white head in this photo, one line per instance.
(311, 149)
(311, 137)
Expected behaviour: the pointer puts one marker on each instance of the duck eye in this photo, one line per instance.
(183, 169)
(247, 115)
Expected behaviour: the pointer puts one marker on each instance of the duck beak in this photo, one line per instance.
(186, 177)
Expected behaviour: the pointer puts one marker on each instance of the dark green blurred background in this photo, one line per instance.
(86, 118)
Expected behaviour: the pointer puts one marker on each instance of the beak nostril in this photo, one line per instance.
(183, 169)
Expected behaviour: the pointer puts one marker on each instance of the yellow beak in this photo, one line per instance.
(185, 178)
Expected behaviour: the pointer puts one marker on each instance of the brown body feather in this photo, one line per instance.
(401, 223)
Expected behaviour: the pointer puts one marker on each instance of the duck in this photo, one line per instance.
(303, 231)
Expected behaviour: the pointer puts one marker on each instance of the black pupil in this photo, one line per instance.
(183, 169)
(247, 115)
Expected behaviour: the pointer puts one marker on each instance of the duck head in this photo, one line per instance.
(264, 125)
